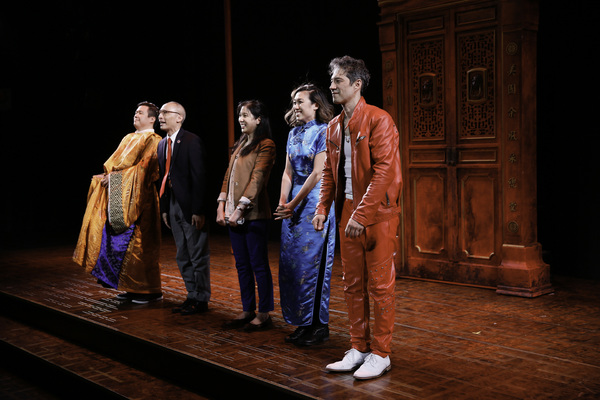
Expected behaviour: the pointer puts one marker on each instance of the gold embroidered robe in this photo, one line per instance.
(130, 197)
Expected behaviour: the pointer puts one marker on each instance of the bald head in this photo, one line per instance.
(171, 117)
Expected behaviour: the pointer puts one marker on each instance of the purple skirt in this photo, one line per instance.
(112, 253)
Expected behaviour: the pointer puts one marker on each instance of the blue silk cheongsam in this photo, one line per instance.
(305, 251)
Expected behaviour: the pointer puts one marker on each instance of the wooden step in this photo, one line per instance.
(61, 368)
(139, 360)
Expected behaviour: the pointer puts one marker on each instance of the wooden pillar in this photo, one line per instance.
(522, 271)
(229, 73)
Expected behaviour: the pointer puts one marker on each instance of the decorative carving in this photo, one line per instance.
(427, 83)
(476, 66)
(511, 88)
(427, 90)
(512, 48)
(477, 85)
(388, 66)
(513, 227)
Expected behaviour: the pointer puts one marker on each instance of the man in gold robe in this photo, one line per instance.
(119, 240)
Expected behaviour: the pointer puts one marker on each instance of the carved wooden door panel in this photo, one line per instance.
(459, 78)
(451, 147)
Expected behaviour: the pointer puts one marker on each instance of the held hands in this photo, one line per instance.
(233, 218)
(284, 211)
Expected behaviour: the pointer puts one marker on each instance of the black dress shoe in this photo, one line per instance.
(299, 332)
(317, 335)
(125, 296)
(238, 322)
(104, 284)
(196, 307)
(145, 298)
(187, 302)
(268, 323)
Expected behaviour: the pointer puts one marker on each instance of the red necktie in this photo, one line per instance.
(167, 167)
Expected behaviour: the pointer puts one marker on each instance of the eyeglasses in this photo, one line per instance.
(163, 112)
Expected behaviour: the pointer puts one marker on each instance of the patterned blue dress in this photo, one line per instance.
(305, 252)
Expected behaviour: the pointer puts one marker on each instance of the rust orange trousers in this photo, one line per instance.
(369, 273)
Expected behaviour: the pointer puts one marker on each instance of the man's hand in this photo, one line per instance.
(319, 222)
(165, 218)
(353, 229)
(103, 179)
(198, 221)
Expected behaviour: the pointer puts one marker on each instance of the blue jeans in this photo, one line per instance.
(249, 244)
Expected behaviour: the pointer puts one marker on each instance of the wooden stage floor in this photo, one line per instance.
(450, 342)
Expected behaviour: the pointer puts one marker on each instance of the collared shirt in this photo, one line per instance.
(347, 163)
(145, 130)
(173, 137)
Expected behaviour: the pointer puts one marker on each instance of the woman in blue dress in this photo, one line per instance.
(306, 257)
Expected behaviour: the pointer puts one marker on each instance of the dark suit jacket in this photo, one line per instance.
(187, 174)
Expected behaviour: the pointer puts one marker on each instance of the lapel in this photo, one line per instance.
(160, 152)
(180, 136)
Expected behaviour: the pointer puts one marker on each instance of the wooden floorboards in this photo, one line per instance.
(450, 342)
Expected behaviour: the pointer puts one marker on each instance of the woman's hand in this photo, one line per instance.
(221, 216)
(235, 217)
(283, 211)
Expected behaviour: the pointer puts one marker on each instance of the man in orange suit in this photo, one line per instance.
(362, 175)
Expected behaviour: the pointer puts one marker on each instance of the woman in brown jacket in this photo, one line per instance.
(244, 208)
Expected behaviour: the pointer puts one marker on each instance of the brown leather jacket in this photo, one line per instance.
(376, 173)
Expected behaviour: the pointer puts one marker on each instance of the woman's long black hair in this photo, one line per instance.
(263, 130)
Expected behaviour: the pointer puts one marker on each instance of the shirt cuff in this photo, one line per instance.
(244, 200)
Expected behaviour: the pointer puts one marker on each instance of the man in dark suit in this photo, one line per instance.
(181, 159)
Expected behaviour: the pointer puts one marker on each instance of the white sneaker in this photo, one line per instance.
(352, 360)
(373, 367)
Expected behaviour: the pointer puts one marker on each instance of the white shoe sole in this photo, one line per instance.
(146, 301)
(342, 370)
(362, 378)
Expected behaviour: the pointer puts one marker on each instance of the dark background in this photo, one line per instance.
(72, 74)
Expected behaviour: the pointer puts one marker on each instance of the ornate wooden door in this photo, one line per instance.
(447, 83)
